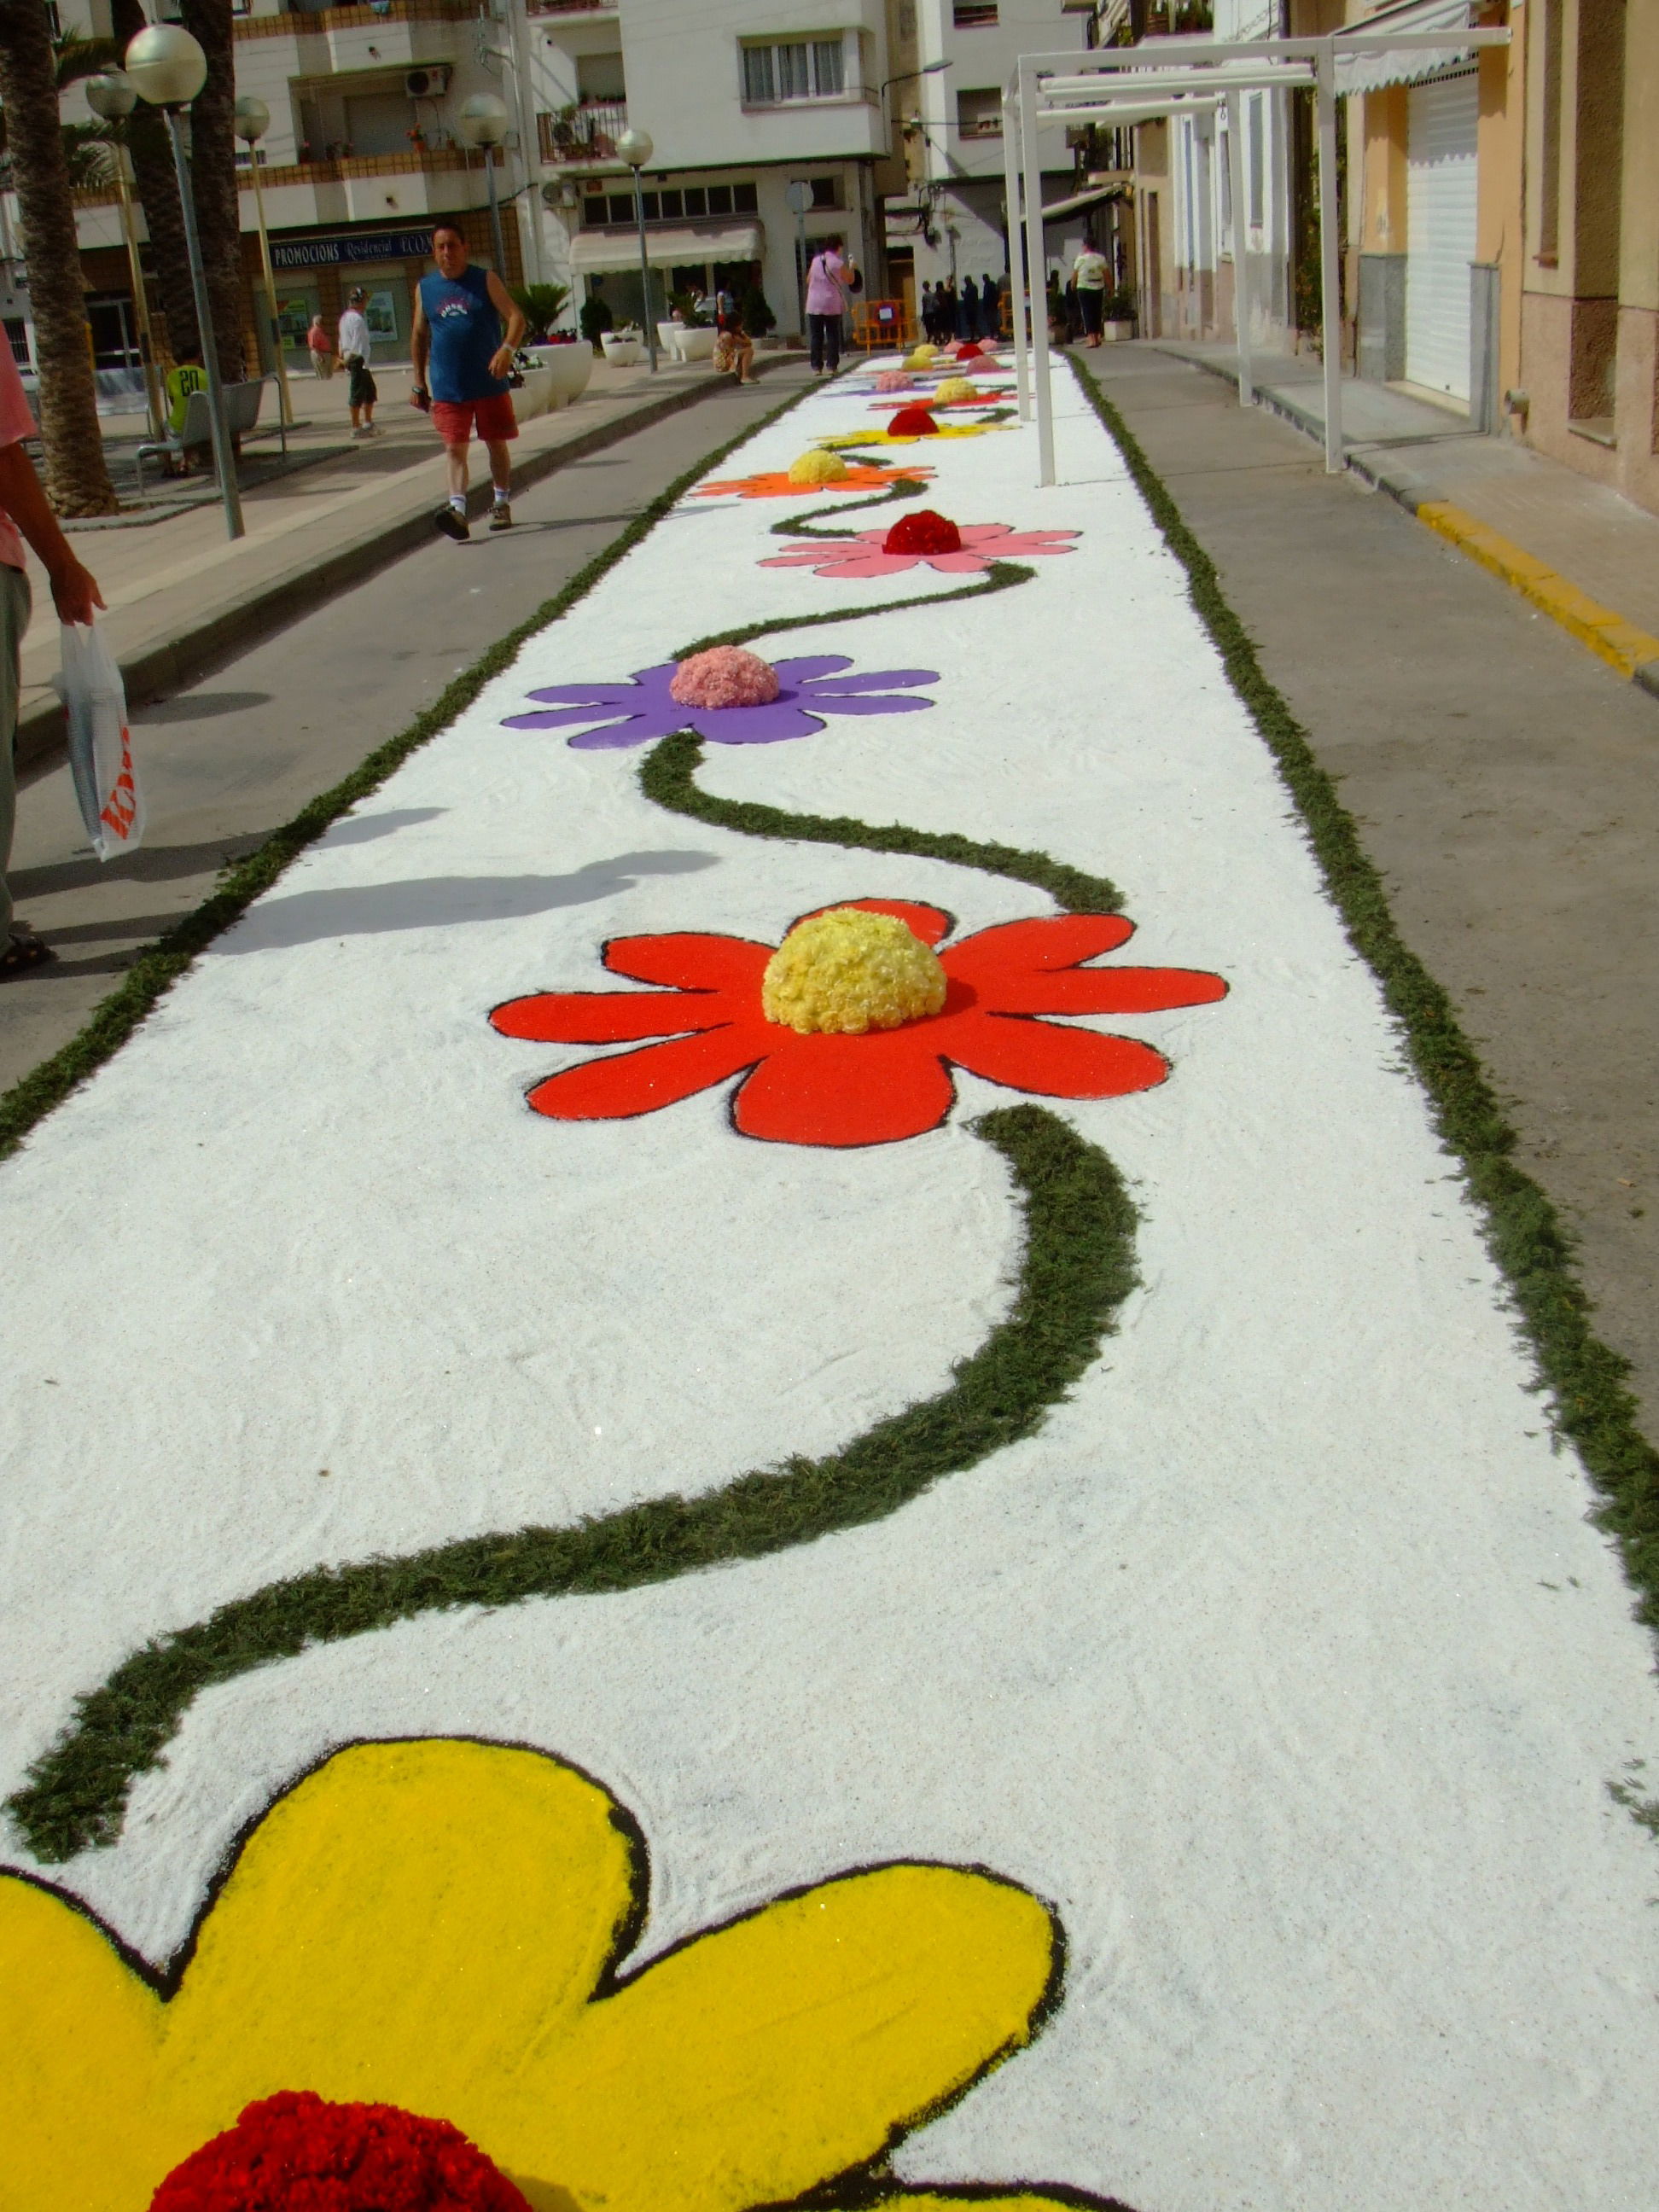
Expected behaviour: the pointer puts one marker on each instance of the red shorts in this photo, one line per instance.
(454, 418)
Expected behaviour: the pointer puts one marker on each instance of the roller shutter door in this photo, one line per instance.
(1442, 121)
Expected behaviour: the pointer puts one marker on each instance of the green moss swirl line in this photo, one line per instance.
(1077, 1268)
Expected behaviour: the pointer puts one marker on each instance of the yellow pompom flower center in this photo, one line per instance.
(845, 972)
(921, 356)
(955, 388)
(817, 468)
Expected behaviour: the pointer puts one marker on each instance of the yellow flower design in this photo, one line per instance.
(436, 1925)
(886, 437)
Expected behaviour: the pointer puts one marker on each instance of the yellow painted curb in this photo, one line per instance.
(1617, 640)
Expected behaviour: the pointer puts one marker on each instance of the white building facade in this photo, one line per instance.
(963, 52)
(741, 99)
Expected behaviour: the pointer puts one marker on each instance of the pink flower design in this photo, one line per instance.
(866, 555)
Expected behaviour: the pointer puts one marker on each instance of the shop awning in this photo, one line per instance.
(1364, 72)
(1092, 198)
(667, 246)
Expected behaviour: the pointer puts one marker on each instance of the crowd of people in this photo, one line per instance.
(968, 310)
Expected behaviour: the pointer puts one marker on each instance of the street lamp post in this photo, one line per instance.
(113, 96)
(636, 147)
(799, 198)
(483, 122)
(167, 68)
(252, 120)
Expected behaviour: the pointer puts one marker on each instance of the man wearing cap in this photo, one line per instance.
(361, 392)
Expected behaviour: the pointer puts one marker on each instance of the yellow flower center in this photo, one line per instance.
(845, 972)
(817, 468)
(955, 388)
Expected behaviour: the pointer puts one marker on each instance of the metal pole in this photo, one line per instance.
(156, 411)
(1329, 277)
(495, 213)
(1016, 252)
(800, 269)
(1241, 284)
(270, 290)
(645, 276)
(223, 459)
(1036, 275)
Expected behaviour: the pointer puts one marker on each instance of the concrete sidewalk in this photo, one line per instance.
(182, 596)
(1577, 551)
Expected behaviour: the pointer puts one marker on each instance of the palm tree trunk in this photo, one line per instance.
(76, 477)
(158, 191)
(213, 174)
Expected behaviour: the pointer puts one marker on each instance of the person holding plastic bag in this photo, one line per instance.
(24, 515)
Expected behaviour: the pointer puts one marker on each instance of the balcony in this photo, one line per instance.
(583, 134)
(294, 22)
(571, 6)
(337, 168)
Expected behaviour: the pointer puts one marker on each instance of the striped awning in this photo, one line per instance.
(1370, 72)
(667, 246)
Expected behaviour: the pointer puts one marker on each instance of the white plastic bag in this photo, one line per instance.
(100, 744)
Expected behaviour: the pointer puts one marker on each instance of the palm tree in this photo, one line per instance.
(77, 479)
(158, 195)
(213, 179)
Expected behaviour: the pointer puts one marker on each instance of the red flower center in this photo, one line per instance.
(912, 422)
(293, 2151)
(924, 532)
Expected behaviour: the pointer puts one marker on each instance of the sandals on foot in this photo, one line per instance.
(23, 949)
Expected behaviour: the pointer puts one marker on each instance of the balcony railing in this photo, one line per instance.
(587, 132)
(360, 17)
(334, 170)
(571, 6)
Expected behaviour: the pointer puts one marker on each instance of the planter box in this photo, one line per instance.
(687, 341)
(1115, 333)
(624, 352)
(569, 368)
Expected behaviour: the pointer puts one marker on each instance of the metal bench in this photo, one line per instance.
(242, 404)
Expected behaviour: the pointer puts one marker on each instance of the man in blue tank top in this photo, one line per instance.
(467, 331)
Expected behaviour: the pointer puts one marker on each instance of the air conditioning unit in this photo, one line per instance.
(427, 83)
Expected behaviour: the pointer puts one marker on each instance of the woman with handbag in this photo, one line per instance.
(830, 280)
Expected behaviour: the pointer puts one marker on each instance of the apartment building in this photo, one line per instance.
(956, 56)
(741, 99)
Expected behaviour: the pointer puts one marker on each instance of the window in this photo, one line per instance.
(826, 191)
(720, 200)
(974, 14)
(744, 199)
(674, 207)
(796, 68)
(17, 337)
(696, 201)
(979, 112)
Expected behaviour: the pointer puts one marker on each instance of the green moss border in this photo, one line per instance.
(1077, 1268)
(1592, 1403)
(668, 778)
(154, 972)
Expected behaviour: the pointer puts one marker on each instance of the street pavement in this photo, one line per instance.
(230, 758)
(180, 593)
(1504, 780)
(1503, 777)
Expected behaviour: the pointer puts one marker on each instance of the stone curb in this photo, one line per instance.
(1634, 652)
(160, 670)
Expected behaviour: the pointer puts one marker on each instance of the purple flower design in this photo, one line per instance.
(636, 713)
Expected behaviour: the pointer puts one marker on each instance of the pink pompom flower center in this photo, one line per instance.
(725, 676)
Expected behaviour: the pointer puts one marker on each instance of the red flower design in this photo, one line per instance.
(869, 1090)
(294, 2152)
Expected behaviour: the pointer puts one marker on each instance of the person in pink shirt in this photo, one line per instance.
(828, 280)
(24, 515)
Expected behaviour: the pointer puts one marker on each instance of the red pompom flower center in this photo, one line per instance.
(295, 2153)
(923, 533)
(912, 423)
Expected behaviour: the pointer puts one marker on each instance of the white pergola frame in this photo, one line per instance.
(1151, 81)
